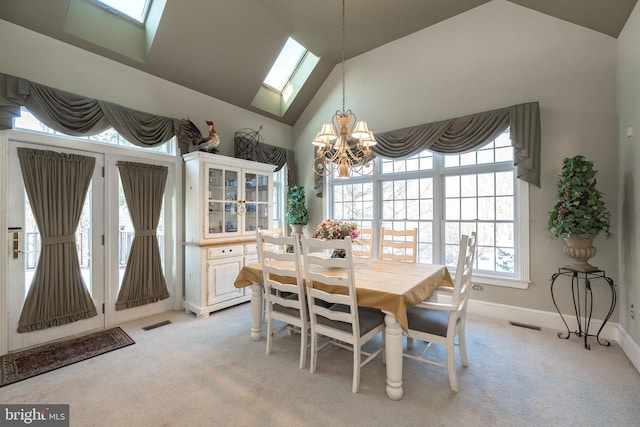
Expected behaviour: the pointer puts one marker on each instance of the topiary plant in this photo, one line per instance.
(297, 206)
(579, 210)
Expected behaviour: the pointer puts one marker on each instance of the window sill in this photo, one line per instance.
(501, 281)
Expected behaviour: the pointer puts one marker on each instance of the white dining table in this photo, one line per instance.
(390, 286)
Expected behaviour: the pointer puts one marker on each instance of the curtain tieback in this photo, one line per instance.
(55, 240)
(145, 233)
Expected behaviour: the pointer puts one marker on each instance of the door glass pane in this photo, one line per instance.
(83, 243)
(215, 184)
(250, 187)
(127, 233)
(263, 188)
(215, 217)
(250, 217)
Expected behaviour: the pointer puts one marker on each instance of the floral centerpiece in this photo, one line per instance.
(336, 229)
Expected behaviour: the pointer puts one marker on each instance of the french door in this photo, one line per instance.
(25, 250)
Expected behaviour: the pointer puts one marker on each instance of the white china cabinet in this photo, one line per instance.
(226, 201)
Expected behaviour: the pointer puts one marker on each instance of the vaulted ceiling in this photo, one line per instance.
(224, 48)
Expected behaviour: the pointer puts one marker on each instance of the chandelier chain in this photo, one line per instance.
(343, 43)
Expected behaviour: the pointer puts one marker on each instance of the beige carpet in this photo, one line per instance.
(209, 373)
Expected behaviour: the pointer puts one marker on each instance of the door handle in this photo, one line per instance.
(16, 245)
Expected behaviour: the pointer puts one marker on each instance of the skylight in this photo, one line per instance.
(285, 65)
(134, 9)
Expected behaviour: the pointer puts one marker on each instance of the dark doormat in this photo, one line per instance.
(25, 364)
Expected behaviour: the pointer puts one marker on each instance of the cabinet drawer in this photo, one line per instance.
(224, 251)
(250, 248)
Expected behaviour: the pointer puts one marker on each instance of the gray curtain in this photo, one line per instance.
(56, 185)
(143, 281)
(78, 116)
(464, 134)
(248, 146)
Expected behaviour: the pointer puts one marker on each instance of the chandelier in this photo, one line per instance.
(347, 151)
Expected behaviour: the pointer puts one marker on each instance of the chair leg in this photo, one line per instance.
(356, 369)
(314, 352)
(451, 366)
(409, 343)
(462, 344)
(303, 348)
(269, 334)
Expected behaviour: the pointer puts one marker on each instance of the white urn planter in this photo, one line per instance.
(581, 249)
(296, 228)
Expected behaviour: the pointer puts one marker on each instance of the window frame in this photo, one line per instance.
(520, 279)
(113, 9)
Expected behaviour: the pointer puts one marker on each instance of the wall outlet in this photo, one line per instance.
(477, 287)
(632, 312)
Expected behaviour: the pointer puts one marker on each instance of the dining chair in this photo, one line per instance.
(398, 245)
(284, 288)
(439, 323)
(269, 232)
(277, 232)
(333, 304)
(363, 245)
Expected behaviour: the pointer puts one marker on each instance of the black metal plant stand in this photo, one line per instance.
(586, 278)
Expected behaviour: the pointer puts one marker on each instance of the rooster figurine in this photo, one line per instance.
(209, 144)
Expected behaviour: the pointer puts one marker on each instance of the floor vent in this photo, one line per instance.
(524, 325)
(156, 325)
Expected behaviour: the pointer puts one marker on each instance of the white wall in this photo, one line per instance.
(629, 116)
(496, 55)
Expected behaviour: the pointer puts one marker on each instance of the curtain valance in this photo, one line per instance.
(248, 145)
(464, 134)
(76, 115)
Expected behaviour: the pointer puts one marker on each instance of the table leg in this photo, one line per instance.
(256, 311)
(393, 355)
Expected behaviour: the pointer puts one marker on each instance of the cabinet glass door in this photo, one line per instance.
(256, 195)
(222, 192)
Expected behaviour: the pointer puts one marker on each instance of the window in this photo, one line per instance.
(132, 9)
(28, 121)
(279, 201)
(285, 65)
(445, 197)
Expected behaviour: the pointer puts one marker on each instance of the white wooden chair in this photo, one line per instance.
(337, 315)
(398, 245)
(276, 232)
(439, 323)
(363, 245)
(284, 289)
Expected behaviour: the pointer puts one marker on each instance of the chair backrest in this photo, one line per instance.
(464, 270)
(330, 281)
(281, 271)
(363, 245)
(398, 245)
(276, 232)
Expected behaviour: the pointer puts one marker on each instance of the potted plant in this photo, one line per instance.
(579, 213)
(297, 215)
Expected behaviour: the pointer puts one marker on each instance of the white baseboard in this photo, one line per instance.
(630, 347)
(612, 331)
